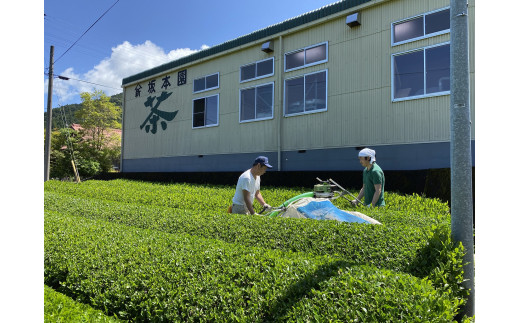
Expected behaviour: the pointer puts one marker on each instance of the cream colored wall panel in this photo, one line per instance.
(398, 10)
(393, 126)
(300, 40)
(349, 112)
(257, 136)
(229, 141)
(304, 131)
(439, 109)
(370, 109)
(354, 69)
(357, 122)
(353, 120)
(415, 120)
(359, 112)
(437, 4)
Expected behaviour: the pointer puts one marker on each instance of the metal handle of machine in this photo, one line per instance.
(344, 190)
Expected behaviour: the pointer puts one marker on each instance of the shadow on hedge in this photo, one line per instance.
(441, 262)
(302, 288)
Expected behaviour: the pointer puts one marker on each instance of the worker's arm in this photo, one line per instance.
(360, 195)
(260, 198)
(248, 202)
(377, 194)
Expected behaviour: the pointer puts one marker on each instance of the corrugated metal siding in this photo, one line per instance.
(359, 113)
(255, 36)
(180, 139)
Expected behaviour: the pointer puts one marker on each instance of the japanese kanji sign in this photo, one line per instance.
(181, 77)
(150, 123)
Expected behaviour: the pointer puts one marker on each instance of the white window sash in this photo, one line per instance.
(305, 54)
(424, 36)
(205, 82)
(256, 71)
(256, 89)
(424, 95)
(304, 88)
(205, 111)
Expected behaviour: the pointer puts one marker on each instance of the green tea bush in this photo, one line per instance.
(414, 238)
(61, 308)
(383, 246)
(149, 275)
(217, 198)
(423, 253)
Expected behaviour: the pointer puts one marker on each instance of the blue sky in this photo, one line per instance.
(137, 35)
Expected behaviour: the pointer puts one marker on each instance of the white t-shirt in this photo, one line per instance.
(247, 182)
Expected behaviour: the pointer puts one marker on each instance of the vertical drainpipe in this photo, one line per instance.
(280, 91)
(122, 133)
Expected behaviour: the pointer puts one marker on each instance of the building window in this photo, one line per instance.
(205, 111)
(206, 83)
(257, 70)
(308, 56)
(422, 72)
(419, 27)
(306, 94)
(256, 103)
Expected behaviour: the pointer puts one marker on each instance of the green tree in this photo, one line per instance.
(97, 117)
(67, 145)
(95, 147)
(61, 152)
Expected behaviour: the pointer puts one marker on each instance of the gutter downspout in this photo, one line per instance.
(281, 94)
(122, 133)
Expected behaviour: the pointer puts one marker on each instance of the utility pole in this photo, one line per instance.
(49, 121)
(460, 148)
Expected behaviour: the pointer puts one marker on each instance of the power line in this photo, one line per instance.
(89, 82)
(66, 78)
(86, 31)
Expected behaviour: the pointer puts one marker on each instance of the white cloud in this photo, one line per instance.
(126, 60)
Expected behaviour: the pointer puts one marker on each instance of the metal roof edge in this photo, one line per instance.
(302, 19)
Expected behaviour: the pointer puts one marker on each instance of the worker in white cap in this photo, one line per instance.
(373, 180)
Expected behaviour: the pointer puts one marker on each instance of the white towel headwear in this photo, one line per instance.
(367, 152)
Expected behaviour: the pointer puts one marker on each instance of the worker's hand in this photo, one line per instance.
(354, 202)
(267, 207)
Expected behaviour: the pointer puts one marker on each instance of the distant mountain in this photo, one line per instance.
(66, 113)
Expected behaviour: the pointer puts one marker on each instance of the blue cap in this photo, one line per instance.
(263, 161)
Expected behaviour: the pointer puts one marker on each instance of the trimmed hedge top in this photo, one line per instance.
(104, 237)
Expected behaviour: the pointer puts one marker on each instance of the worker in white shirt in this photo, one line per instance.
(248, 188)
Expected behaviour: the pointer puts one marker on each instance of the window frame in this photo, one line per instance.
(304, 49)
(240, 103)
(205, 82)
(424, 36)
(205, 107)
(256, 70)
(304, 85)
(425, 95)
